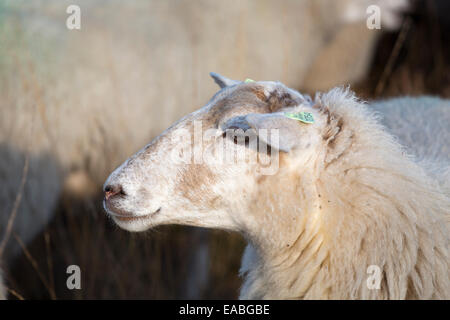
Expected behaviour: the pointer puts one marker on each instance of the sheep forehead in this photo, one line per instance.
(228, 101)
(231, 101)
(238, 99)
(243, 99)
(238, 96)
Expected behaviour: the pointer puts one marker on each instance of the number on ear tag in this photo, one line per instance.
(302, 116)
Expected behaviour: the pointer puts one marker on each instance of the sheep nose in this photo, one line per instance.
(112, 190)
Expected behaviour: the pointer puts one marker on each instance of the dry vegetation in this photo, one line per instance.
(119, 265)
(416, 60)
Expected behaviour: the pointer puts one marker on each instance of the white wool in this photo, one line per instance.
(379, 208)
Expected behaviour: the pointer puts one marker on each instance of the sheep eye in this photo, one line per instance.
(230, 133)
(236, 138)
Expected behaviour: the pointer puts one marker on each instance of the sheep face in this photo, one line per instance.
(205, 170)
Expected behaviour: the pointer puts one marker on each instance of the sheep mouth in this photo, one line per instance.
(131, 218)
(123, 215)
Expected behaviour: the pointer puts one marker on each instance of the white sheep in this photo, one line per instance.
(422, 126)
(348, 214)
(77, 97)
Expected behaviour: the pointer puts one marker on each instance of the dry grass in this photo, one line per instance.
(118, 265)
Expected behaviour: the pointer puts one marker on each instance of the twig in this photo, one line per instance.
(49, 260)
(15, 294)
(35, 267)
(15, 208)
(387, 71)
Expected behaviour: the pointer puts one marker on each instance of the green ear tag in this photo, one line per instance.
(304, 117)
(249, 80)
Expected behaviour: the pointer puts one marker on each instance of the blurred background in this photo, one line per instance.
(74, 104)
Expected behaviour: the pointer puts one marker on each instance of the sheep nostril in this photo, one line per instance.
(113, 190)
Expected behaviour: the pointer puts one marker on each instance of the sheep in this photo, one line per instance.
(346, 198)
(73, 86)
(409, 118)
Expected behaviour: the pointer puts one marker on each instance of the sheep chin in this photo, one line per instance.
(135, 223)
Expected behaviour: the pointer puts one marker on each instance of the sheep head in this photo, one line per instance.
(188, 175)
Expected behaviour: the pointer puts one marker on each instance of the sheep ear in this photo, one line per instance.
(274, 129)
(223, 81)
